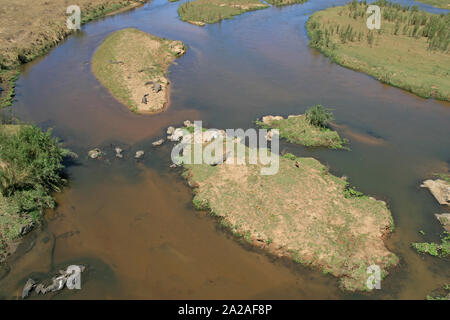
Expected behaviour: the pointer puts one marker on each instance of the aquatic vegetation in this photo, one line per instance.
(434, 249)
(407, 52)
(200, 12)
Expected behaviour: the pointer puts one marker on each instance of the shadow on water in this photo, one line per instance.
(132, 220)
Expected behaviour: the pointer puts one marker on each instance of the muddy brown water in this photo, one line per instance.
(132, 222)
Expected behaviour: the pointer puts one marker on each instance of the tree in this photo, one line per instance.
(318, 116)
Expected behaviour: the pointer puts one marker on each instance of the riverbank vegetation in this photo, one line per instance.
(302, 212)
(133, 65)
(200, 12)
(310, 129)
(30, 28)
(30, 170)
(410, 51)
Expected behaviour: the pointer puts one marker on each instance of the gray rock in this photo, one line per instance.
(444, 219)
(440, 190)
(139, 154)
(28, 287)
(95, 153)
(158, 142)
(25, 229)
(188, 123)
(118, 152)
(157, 87)
(39, 288)
(144, 98)
(170, 130)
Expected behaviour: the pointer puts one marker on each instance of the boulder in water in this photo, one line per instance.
(440, 189)
(95, 153)
(139, 154)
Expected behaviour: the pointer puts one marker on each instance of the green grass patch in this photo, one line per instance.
(434, 249)
(298, 129)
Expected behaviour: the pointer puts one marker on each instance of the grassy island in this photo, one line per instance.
(302, 129)
(133, 65)
(200, 12)
(410, 51)
(302, 212)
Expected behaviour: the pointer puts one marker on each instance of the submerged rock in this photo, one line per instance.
(158, 142)
(440, 189)
(139, 154)
(28, 287)
(94, 153)
(26, 229)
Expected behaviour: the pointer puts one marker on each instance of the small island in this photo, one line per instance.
(302, 212)
(310, 129)
(409, 51)
(133, 65)
(201, 12)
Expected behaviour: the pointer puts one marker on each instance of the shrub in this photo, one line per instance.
(318, 116)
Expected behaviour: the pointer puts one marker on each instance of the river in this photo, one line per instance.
(132, 222)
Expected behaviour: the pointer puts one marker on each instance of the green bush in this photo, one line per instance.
(318, 116)
(30, 168)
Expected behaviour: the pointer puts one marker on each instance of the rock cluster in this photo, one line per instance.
(57, 282)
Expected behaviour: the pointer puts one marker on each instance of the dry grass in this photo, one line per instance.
(395, 56)
(130, 62)
(200, 12)
(302, 212)
(30, 28)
